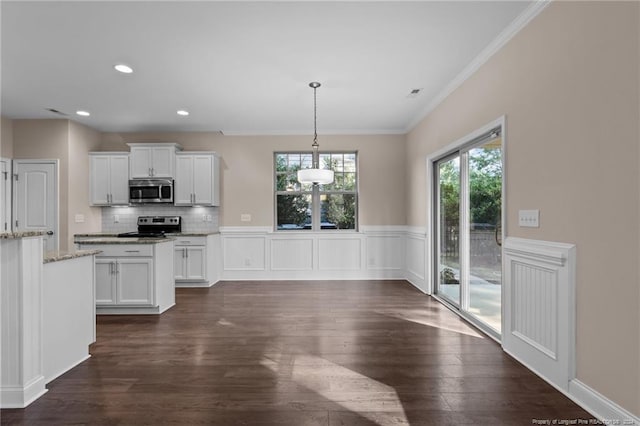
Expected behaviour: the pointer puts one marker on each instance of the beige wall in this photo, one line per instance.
(568, 85)
(47, 139)
(247, 171)
(6, 138)
(69, 143)
(82, 140)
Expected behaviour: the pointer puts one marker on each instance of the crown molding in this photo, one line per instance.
(503, 38)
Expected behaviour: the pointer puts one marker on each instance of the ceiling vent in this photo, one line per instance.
(414, 93)
(55, 111)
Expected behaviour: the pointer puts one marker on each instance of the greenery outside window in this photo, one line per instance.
(316, 207)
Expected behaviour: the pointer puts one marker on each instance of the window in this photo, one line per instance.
(316, 207)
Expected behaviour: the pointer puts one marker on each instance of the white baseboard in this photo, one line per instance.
(605, 410)
(20, 397)
(194, 284)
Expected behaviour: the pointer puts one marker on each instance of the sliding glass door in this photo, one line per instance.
(468, 231)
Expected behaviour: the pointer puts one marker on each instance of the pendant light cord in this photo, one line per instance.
(315, 155)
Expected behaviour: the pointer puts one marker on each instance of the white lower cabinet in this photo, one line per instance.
(105, 281)
(194, 261)
(123, 281)
(190, 263)
(135, 279)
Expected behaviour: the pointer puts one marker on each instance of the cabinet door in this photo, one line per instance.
(203, 179)
(105, 281)
(179, 263)
(119, 180)
(99, 180)
(135, 282)
(140, 162)
(196, 263)
(183, 186)
(162, 161)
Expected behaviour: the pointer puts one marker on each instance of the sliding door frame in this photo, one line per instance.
(464, 143)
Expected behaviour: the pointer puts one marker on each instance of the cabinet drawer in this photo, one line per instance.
(190, 241)
(119, 250)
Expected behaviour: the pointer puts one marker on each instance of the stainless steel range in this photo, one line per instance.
(155, 227)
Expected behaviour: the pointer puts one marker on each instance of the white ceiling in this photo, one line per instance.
(240, 67)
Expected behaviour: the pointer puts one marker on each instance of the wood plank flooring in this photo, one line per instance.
(296, 353)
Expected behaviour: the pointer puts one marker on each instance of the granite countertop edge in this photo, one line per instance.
(58, 255)
(116, 240)
(17, 235)
(170, 234)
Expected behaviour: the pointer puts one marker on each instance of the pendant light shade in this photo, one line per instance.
(315, 175)
(318, 176)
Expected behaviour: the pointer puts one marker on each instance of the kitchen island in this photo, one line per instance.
(68, 310)
(48, 317)
(133, 275)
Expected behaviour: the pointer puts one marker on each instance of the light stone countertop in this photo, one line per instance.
(16, 235)
(116, 240)
(193, 234)
(58, 255)
(170, 234)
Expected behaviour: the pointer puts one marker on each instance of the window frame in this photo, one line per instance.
(316, 194)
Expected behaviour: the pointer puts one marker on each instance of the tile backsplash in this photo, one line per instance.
(127, 217)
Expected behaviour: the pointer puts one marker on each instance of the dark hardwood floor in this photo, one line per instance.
(296, 353)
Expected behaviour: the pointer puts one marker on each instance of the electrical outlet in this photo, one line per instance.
(208, 218)
(204, 217)
(529, 218)
(116, 218)
(245, 217)
(247, 262)
(79, 218)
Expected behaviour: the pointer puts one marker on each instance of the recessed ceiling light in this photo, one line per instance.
(183, 112)
(126, 69)
(83, 113)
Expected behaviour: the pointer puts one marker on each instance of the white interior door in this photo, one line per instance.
(36, 198)
(5, 195)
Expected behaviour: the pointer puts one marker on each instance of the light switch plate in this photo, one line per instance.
(245, 217)
(116, 218)
(529, 218)
(79, 218)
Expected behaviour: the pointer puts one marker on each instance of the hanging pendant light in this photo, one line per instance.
(315, 175)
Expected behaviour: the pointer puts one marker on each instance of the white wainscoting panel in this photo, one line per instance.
(385, 252)
(259, 253)
(339, 254)
(291, 254)
(539, 313)
(416, 266)
(244, 253)
(534, 298)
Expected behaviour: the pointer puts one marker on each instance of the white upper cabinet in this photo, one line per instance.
(197, 179)
(153, 160)
(109, 178)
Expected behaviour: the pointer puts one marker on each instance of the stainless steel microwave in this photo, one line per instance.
(150, 191)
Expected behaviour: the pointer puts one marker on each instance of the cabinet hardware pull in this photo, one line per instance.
(184, 252)
(132, 251)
